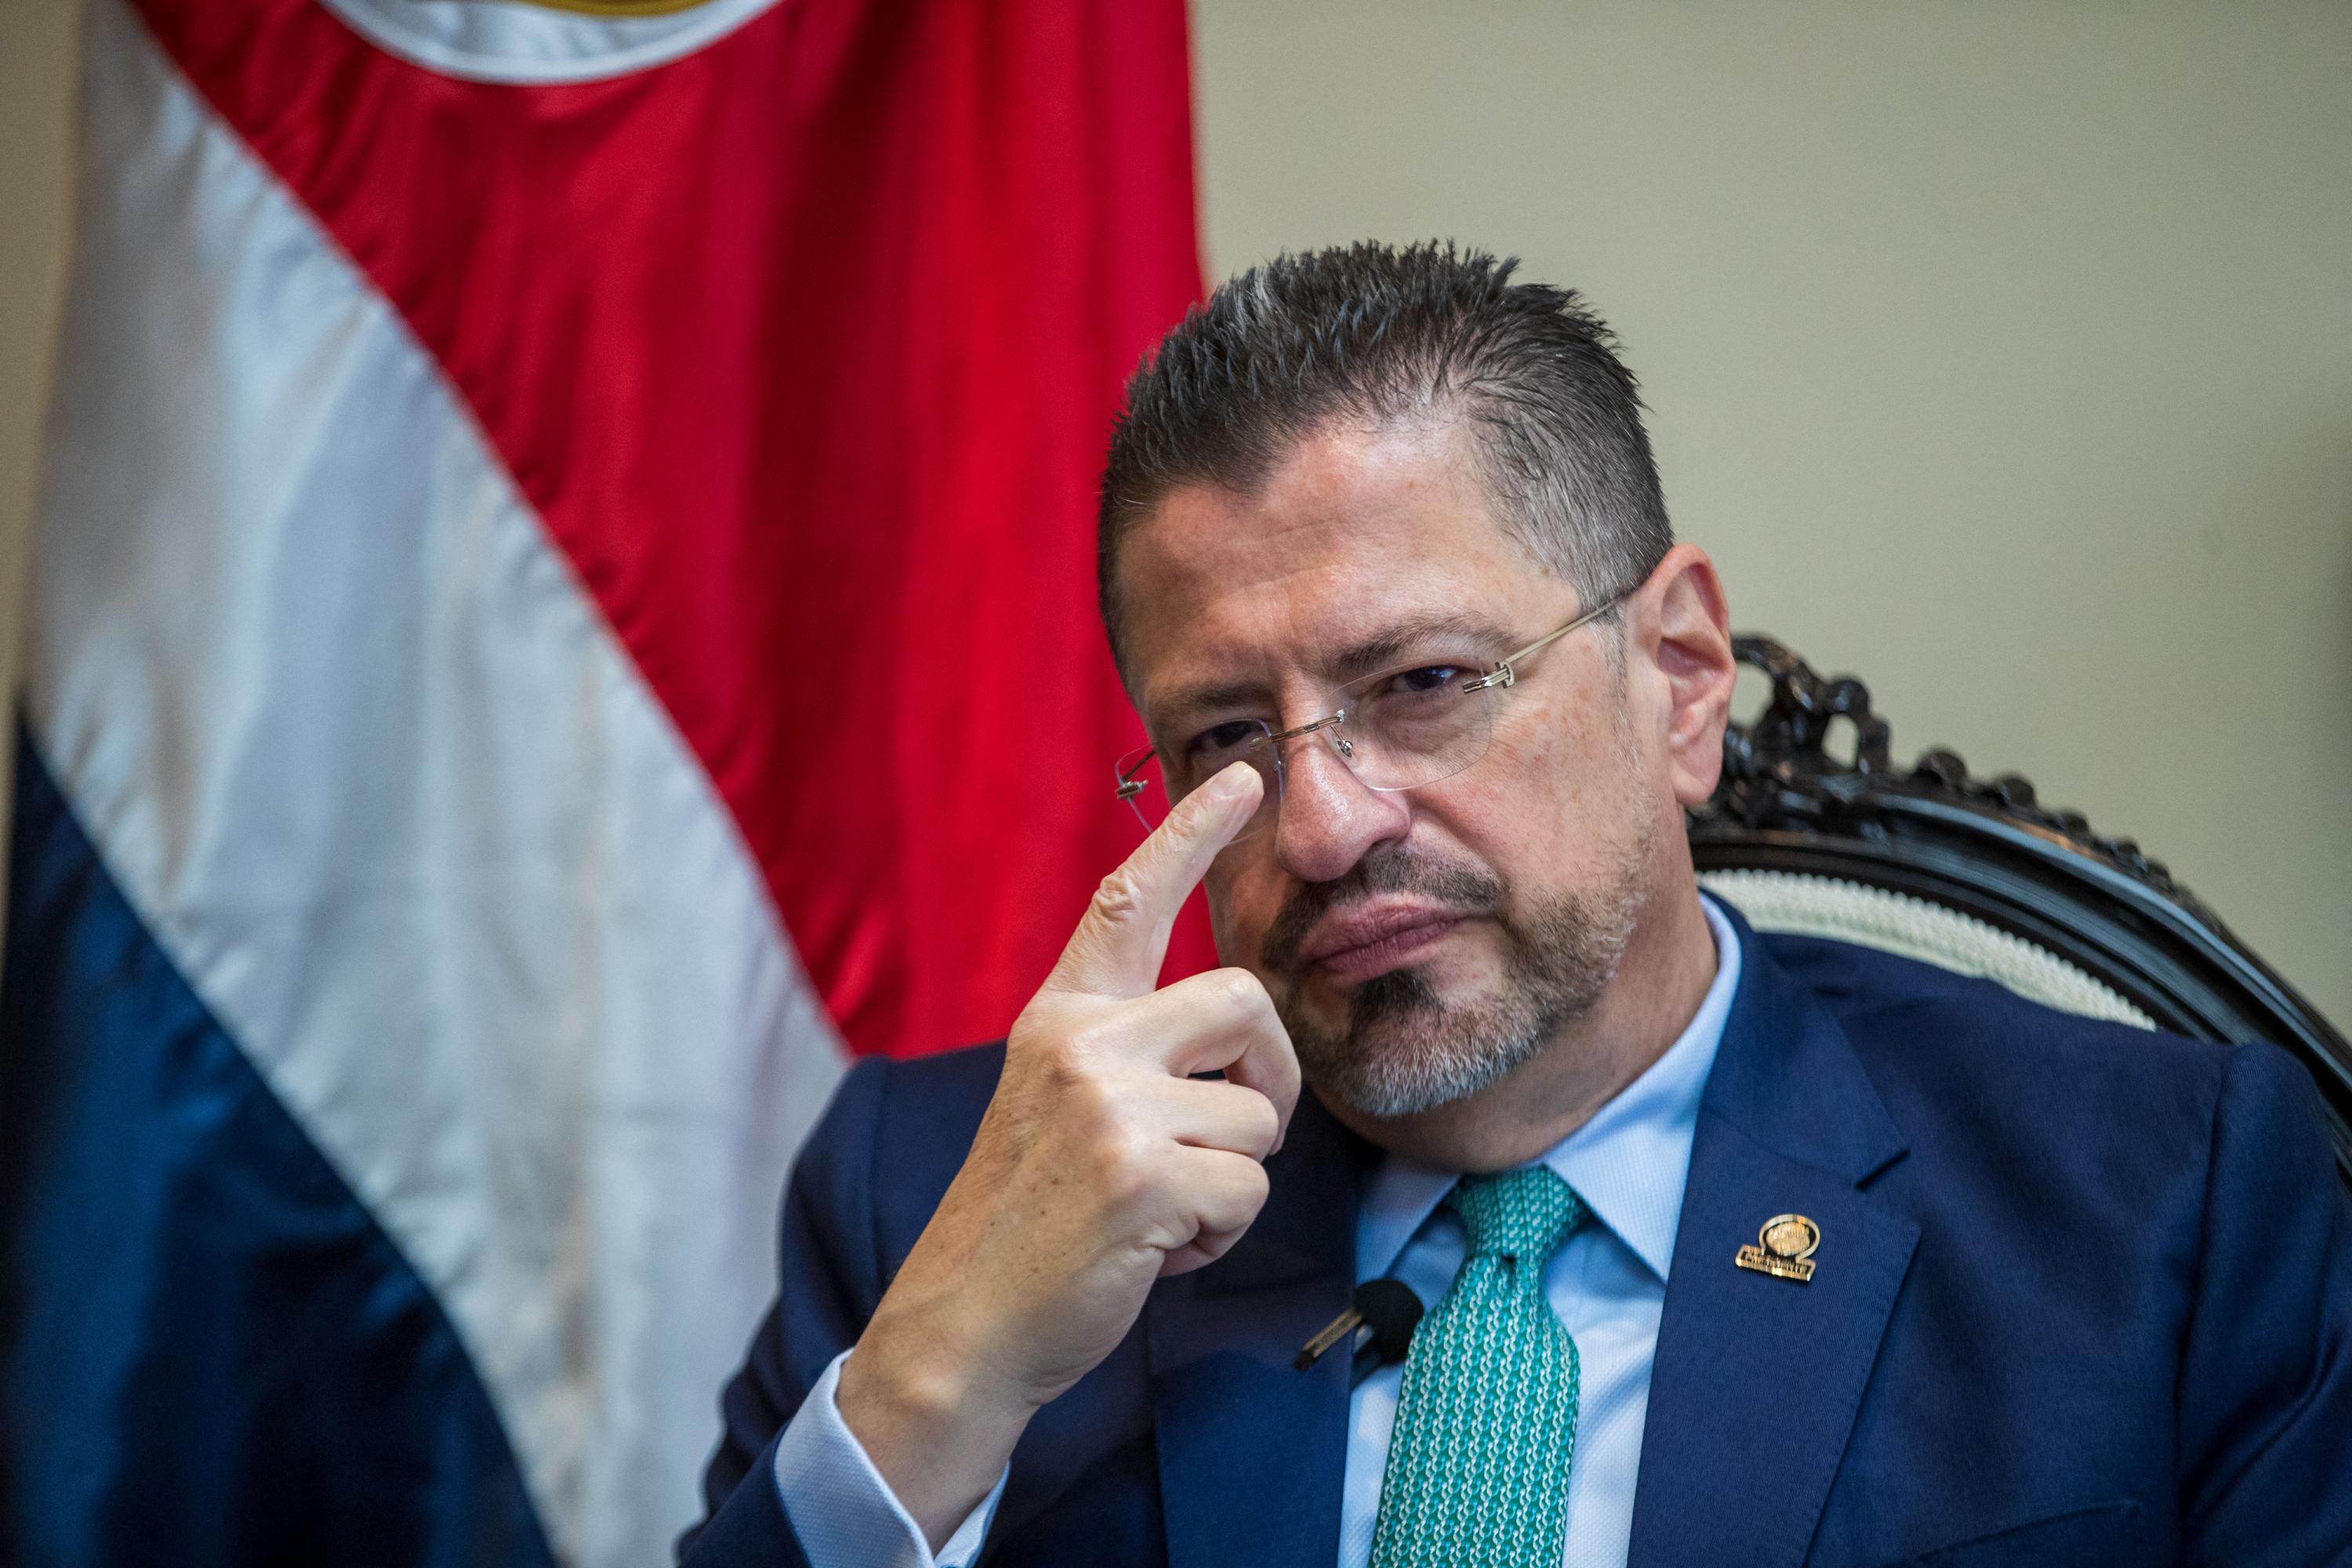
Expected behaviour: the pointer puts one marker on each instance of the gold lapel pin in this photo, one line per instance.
(1784, 1248)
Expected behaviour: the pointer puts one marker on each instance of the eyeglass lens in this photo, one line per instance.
(1395, 731)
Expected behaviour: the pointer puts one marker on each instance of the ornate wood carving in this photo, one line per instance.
(1778, 772)
(1793, 800)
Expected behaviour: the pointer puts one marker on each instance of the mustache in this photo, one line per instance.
(1458, 887)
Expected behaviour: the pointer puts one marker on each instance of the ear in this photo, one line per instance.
(1678, 623)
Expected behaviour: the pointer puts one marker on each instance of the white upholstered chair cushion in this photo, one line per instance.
(1914, 928)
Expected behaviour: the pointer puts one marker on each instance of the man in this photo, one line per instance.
(1389, 576)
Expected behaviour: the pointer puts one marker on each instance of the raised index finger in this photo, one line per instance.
(1122, 939)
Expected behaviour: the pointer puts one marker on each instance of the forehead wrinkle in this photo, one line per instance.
(1334, 565)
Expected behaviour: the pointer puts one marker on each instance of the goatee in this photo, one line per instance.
(1405, 1049)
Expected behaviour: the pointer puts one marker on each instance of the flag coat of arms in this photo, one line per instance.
(561, 609)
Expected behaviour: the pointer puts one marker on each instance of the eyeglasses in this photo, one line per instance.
(1396, 731)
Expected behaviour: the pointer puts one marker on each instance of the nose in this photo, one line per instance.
(1328, 818)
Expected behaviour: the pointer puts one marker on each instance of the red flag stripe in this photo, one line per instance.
(804, 347)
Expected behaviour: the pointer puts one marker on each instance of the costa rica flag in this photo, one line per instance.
(562, 609)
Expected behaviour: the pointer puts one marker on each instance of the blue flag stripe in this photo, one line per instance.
(210, 1354)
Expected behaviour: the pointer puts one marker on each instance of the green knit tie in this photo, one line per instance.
(1477, 1470)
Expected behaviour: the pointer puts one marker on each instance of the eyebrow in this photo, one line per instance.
(1385, 648)
(1369, 656)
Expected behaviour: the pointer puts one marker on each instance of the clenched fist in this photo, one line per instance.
(1101, 1164)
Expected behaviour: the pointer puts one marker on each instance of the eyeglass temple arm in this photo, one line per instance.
(1503, 674)
(1130, 786)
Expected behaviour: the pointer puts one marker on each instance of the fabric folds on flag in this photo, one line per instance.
(562, 609)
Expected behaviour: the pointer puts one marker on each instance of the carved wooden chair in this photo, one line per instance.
(1978, 877)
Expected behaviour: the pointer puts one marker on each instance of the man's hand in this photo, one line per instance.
(1100, 1166)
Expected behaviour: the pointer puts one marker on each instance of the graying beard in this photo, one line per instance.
(1404, 1051)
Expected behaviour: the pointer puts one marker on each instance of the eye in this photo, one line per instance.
(1422, 681)
(1223, 740)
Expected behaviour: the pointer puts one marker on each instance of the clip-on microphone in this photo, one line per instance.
(1379, 1327)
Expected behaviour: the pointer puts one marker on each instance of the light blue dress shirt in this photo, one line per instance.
(1608, 1284)
(844, 1512)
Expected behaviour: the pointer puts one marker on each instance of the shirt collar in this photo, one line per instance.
(1629, 1164)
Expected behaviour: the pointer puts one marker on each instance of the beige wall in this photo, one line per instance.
(2002, 353)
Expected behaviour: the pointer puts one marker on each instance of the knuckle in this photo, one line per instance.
(1035, 1035)
(1092, 1102)
(1121, 1168)
(1242, 991)
(1098, 1037)
(1118, 897)
(1263, 1120)
(1252, 1186)
(1079, 1043)
(1050, 1050)
(1290, 1081)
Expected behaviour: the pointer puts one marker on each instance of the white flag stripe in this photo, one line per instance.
(349, 736)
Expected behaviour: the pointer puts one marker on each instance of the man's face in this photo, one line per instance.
(1419, 943)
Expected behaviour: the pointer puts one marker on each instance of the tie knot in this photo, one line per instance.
(1523, 1213)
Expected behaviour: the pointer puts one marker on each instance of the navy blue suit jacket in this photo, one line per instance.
(2083, 1297)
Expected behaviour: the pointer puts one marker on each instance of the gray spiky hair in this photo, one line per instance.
(1385, 335)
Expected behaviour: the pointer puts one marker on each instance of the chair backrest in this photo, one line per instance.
(1978, 877)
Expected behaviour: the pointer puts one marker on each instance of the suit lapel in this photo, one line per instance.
(1757, 1379)
(1251, 1453)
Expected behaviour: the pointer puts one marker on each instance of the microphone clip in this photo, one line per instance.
(1377, 1325)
